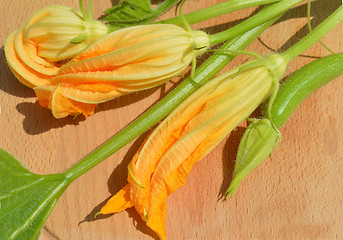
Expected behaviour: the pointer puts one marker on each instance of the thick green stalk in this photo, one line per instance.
(204, 73)
(302, 84)
(216, 10)
(315, 35)
(266, 13)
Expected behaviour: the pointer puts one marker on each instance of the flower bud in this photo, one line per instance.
(54, 29)
(36, 51)
(188, 134)
(122, 62)
(258, 142)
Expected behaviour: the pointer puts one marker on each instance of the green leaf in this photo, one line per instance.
(132, 12)
(26, 199)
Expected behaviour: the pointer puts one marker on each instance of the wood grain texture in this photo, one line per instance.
(297, 194)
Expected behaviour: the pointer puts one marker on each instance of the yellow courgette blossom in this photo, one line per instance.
(190, 132)
(122, 62)
(37, 50)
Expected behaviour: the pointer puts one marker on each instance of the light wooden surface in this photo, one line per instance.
(297, 194)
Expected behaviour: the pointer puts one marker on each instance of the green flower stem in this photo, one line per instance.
(326, 26)
(83, 11)
(216, 10)
(90, 12)
(264, 15)
(303, 83)
(203, 74)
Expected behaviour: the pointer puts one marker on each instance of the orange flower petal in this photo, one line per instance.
(44, 94)
(118, 202)
(25, 74)
(27, 52)
(74, 100)
(91, 93)
(157, 222)
(61, 106)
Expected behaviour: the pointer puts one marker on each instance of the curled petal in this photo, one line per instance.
(27, 75)
(60, 105)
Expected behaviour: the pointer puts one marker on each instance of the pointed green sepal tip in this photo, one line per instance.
(79, 39)
(145, 214)
(97, 214)
(257, 143)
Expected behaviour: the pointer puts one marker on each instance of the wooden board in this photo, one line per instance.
(297, 194)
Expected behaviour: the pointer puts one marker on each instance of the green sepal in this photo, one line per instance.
(79, 39)
(26, 199)
(258, 142)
